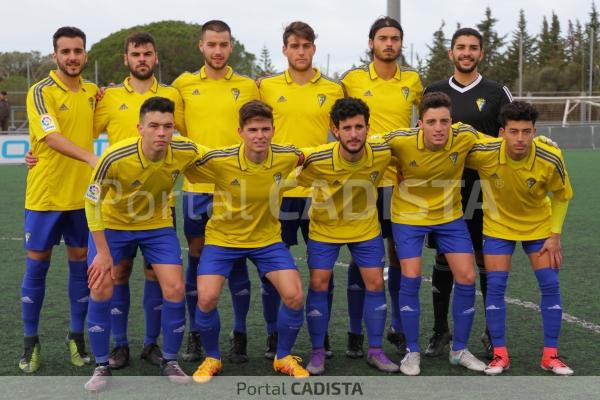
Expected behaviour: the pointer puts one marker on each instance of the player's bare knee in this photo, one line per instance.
(150, 275)
(174, 291)
(39, 255)
(465, 277)
(122, 273)
(374, 284)
(77, 253)
(319, 283)
(207, 301)
(293, 300)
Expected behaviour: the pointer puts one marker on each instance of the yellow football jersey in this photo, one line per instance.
(211, 110)
(58, 182)
(344, 199)
(516, 205)
(300, 112)
(429, 193)
(132, 190)
(247, 196)
(390, 101)
(118, 112)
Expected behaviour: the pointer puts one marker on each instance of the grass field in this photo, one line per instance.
(580, 333)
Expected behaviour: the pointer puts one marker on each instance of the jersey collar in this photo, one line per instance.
(268, 163)
(339, 164)
(61, 84)
(464, 89)
(227, 76)
(421, 140)
(530, 157)
(289, 80)
(373, 74)
(145, 162)
(130, 89)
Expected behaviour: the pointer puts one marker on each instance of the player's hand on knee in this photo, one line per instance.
(554, 250)
(101, 265)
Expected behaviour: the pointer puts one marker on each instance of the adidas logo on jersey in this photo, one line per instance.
(123, 107)
(281, 99)
(96, 329)
(181, 329)
(406, 309)
(136, 183)
(382, 307)
(63, 107)
(314, 314)
(494, 176)
(234, 183)
(243, 292)
(368, 94)
(196, 92)
(27, 300)
(413, 164)
(116, 311)
(337, 183)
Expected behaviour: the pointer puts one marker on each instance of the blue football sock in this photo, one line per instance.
(191, 292)
(356, 299)
(463, 312)
(239, 286)
(209, 326)
(33, 289)
(99, 329)
(119, 314)
(317, 317)
(394, 276)
(79, 294)
(271, 302)
(289, 323)
(330, 290)
(173, 326)
(153, 304)
(375, 311)
(550, 305)
(495, 310)
(410, 310)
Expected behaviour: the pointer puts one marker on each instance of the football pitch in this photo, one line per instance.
(580, 275)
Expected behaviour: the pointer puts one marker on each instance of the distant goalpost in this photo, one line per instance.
(566, 110)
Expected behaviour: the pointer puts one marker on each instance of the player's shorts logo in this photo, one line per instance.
(93, 193)
(47, 123)
(480, 103)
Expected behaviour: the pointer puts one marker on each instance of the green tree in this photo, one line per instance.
(177, 45)
(592, 33)
(492, 46)
(438, 65)
(551, 45)
(265, 66)
(509, 68)
(15, 63)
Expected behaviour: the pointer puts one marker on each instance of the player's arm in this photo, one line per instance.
(202, 170)
(418, 88)
(57, 142)
(101, 116)
(179, 114)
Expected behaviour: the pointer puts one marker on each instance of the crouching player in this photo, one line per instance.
(248, 180)
(127, 206)
(518, 174)
(427, 201)
(344, 176)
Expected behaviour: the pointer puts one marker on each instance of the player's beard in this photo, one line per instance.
(142, 76)
(387, 57)
(463, 70)
(64, 69)
(352, 151)
(209, 62)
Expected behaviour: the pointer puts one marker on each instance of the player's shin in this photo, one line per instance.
(209, 326)
(271, 302)
(463, 312)
(550, 305)
(99, 329)
(191, 292)
(153, 304)
(495, 311)
(410, 311)
(78, 294)
(33, 289)
(289, 322)
(239, 286)
(374, 314)
(173, 326)
(356, 299)
(119, 313)
(394, 276)
(317, 317)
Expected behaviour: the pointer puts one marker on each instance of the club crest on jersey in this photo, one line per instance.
(92, 101)
(530, 183)
(277, 178)
(480, 103)
(236, 93)
(453, 157)
(196, 92)
(93, 193)
(405, 92)
(374, 176)
(321, 98)
(47, 123)
(499, 182)
(175, 175)
(413, 164)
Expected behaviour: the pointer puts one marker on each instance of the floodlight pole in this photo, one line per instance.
(520, 64)
(591, 73)
(393, 9)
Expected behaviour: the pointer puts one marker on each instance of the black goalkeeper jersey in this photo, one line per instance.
(477, 104)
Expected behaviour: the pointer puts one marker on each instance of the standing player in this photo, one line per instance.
(301, 98)
(390, 91)
(427, 201)
(248, 189)
(475, 101)
(344, 176)
(60, 109)
(127, 205)
(213, 97)
(519, 174)
(117, 114)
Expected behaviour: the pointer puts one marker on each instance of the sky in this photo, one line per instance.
(342, 26)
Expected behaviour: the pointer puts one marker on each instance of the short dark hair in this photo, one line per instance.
(434, 100)
(301, 29)
(384, 22)
(67, 31)
(3, 93)
(139, 38)
(518, 111)
(467, 32)
(255, 109)
(348, 107)
(216, 26)
(157, 103)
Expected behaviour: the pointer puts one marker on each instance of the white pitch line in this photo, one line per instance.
(517, 302)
